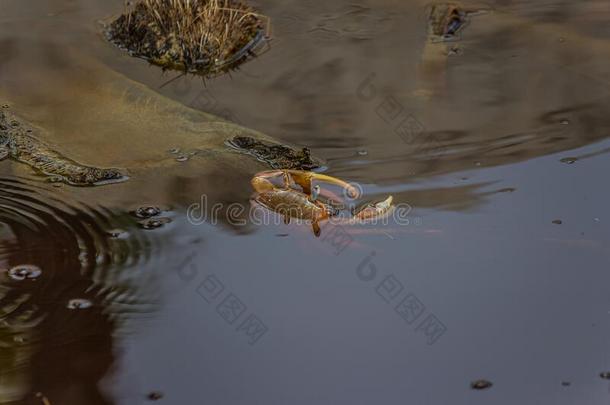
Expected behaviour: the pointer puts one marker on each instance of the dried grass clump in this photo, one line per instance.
(195, 36)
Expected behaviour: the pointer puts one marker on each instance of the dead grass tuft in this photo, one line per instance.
(196, 36)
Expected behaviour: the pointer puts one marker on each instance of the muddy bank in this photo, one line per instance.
(109, 120)
(21, 142)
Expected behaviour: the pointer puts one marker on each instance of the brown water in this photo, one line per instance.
(477, 282)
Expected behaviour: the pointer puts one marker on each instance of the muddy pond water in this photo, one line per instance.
(497, 269)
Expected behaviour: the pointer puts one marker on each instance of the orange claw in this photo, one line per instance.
(262, 181)
(375, 210)
(304, 179)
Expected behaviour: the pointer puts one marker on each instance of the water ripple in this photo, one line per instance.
(70, 275)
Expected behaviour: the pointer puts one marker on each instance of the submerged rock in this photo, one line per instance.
(17, 142)
(197, 36)
(275, 155)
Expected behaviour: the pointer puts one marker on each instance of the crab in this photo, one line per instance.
(295, 194)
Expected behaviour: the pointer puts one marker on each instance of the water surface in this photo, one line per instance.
(489, 145)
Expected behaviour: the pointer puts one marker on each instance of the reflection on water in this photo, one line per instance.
(489, 138)
(64, 290)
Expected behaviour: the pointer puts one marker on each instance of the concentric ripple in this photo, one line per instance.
(69, 275)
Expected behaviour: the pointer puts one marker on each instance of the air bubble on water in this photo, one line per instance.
(154, 223)
(147, 212)
(83, 258)
(117, 234)
(564, 122)
(174, 151)
(100, 259)
(182, 158)
(24, 271)
(79, 303)
(362, 152)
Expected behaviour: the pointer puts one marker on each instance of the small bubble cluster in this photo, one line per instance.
(154, 223)
(150, 217)
(117, 234)
(24, 271)
(147, 212)
(79, 303)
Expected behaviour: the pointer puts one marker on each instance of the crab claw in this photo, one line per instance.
(304, 179)
(261, 182)
(375, 210)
